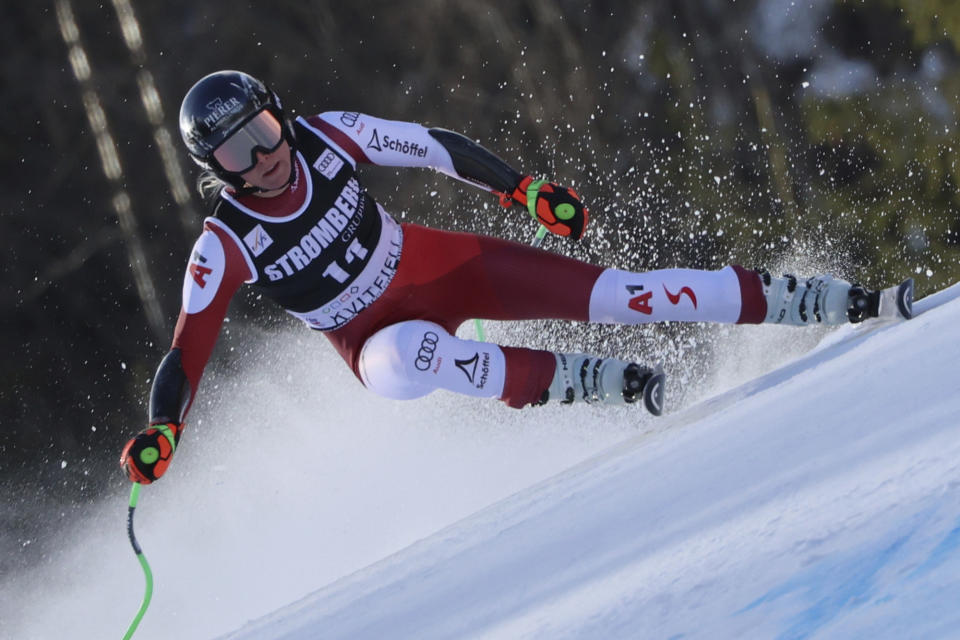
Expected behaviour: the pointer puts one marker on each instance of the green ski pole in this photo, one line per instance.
(478, 325)
(538, 239)
(148, 593)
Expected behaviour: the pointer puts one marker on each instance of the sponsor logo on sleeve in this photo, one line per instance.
(387, 143)
(257, 240)
(204, 273)
(198, 269)
(352, 120)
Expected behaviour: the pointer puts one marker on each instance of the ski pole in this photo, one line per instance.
(537, 241)
(148, 593)
(481, 334)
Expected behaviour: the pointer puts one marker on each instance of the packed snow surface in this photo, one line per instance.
(820, 499)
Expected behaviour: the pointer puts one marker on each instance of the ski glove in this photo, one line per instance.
(557, 208)
(148, 454)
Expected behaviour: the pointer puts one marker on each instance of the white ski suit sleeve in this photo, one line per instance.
(406, 144)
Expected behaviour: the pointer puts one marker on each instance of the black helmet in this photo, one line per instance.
(218, 105)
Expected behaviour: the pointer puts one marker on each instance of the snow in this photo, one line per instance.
(818, 500)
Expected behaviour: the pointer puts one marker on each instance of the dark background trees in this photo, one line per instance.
(700, 132)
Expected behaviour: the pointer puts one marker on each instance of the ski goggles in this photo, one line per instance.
(238, 153)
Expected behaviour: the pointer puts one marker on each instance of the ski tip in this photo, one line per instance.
(905, 298)
(654, 392)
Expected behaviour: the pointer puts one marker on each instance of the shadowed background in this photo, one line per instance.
(699, 132)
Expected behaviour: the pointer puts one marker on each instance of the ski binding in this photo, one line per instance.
(886, 304)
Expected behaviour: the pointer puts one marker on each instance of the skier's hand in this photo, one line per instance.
(148, 454)
(557, 208)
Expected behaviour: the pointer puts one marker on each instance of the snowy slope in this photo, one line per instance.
(820, 500)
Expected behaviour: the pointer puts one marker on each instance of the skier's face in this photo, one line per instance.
(272, 170)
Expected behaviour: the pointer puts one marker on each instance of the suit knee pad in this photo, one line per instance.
(410, 359)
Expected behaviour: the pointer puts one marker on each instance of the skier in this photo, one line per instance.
(292, 220)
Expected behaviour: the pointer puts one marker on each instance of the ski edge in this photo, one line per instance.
(905, 298)
(897, 301)
(654, 391)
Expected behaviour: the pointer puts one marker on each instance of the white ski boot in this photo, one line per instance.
(583, 378)
(818, 300)
(827, 300)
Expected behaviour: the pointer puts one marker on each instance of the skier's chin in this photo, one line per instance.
(276, 177)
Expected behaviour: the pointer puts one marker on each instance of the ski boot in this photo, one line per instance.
(583, 378)
(826, 300)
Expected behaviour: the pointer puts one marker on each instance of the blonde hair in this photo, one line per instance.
(209, 185)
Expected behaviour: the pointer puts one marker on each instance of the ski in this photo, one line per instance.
(897, 301)
(654, 391)
(892, 303)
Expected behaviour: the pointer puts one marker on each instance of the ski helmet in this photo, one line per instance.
(219, 105)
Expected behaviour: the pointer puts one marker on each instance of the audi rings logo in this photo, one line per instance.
(428, 347)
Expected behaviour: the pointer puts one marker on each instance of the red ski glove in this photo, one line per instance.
(557, 208)
(148, 454)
